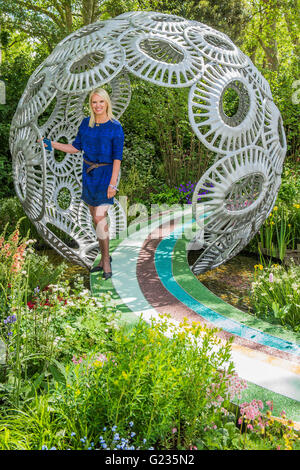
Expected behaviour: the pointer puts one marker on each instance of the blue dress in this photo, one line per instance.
(102, 143)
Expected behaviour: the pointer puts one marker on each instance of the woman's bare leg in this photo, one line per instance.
(99, 215)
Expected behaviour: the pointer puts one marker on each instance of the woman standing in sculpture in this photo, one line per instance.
(101, 138)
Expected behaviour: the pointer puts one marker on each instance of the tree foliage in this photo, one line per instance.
(271, 40)
(266, 31)
(49, 21)
(272, 33)
(227, 17)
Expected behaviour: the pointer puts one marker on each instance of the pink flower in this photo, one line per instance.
(75, 361)
(235, 385)
(174, 430)
(270, 404)
(101, 358)
(249, 426)
(271, 277)
(224, 411)
(251, 410)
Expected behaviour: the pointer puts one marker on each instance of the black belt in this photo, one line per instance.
(94, 165)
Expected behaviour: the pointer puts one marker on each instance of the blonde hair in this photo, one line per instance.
(103, 93)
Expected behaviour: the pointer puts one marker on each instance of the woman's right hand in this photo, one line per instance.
(45, 144)
(41, 140)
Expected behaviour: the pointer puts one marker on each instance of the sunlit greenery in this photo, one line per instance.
(72, 372)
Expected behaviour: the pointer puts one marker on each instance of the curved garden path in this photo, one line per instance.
(151, 276)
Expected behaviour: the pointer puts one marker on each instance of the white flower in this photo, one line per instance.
(56, 340)
(30, 241)
(54, 287)
(84, 292)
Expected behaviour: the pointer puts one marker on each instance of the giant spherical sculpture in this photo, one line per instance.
(238, 191)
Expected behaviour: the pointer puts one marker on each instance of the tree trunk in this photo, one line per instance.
(293, 32)
(270, 45)
(69, 16)
(89, 11)
(271, 53)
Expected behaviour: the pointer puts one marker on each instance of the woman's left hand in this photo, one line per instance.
(111, 192)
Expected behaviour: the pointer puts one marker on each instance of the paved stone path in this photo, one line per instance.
(151, 276)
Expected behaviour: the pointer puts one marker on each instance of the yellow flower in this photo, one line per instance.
(97, 364)
(259, 266)
(77, 392)
(297, 206)
(124, 375)
(275, 208)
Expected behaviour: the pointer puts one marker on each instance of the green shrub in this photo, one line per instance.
(281, 230)
(140, 153)
(11, 211)
(276, 294)
(150, 379)
(54, 324)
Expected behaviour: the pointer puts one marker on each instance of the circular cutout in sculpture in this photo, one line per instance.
(164, 60)
(217, 131)
(160, 23)
(95, 65)
(38, 94)
(29, 169)
(231, 111)
(215, 46)
(235, 191)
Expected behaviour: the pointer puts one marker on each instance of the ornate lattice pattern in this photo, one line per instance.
(237, 192)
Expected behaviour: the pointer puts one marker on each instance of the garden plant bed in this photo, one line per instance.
(231, 281)
(72, 269)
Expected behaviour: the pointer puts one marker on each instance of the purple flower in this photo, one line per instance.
(188, 189)
(10, 319)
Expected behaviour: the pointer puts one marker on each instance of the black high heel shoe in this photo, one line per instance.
(97, 269)
(108, 274)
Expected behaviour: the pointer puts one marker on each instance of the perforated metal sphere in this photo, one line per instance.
(238, 191)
